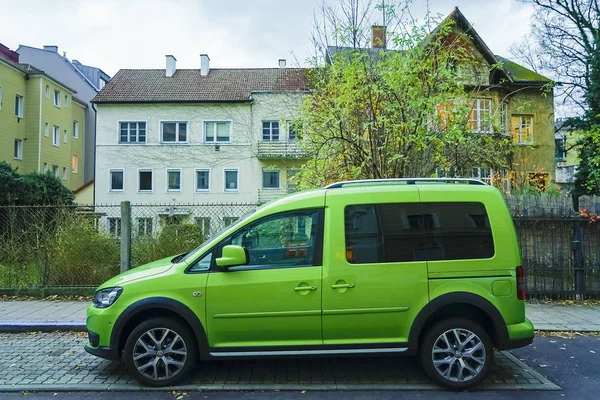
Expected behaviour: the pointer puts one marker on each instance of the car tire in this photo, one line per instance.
(457, 353)
(160, 352)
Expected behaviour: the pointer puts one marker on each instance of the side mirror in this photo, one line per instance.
(232, 256)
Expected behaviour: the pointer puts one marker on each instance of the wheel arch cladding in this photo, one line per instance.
(157, 307)
(459, 304)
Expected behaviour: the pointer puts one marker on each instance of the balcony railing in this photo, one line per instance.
(280, 149)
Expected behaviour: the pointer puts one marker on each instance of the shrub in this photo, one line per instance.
(172, 240)
(82, 256)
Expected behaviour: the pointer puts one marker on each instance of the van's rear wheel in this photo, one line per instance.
(160, 352)
(457, 353)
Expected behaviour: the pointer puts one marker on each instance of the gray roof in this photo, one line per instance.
(187, 85)
(31, 70)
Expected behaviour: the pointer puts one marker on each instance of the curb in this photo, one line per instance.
(21, 327)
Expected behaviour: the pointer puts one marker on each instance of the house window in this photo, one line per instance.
(175, 132)
(75, 164)
(18, 149)
(445, 115)
(144, 226)
(204, 225)
(132, 132)
(270, 131)
(145, 180)
(56, 136)
(291, 184)
(102, 83)
(202, 180)
(231, 180)
(229, 221)
(292, 128)
(504, 117)
(480, 118)
(216, 131)
(485, 174)
(114, 226)
(66, 101)
(64, 173)
(522, 127)
(560, 153)
(57, 98)
(65, 136)
(270, 179)
(47, 91)
(19, 106)
(173, 180)
(45, 167)
(75, 129)
(46, 129)
(115, 181)
(55, 171)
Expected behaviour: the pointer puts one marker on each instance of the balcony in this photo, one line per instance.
(280, 149)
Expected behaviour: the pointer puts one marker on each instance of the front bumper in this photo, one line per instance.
(519, 335)
(99, 323)
(103, 352)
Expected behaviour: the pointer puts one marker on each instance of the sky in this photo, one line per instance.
(115, 34)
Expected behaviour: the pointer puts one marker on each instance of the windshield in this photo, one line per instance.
(187, 258)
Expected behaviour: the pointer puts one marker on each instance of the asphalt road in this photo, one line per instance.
(572, 363)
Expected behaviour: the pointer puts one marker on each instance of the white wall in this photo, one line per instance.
(246, 121)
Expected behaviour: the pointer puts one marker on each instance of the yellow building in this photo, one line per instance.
(41, 122)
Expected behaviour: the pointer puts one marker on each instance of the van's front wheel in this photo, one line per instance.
(160, 352)
(457, 353)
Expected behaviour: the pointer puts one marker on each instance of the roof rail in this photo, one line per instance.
(408, 181)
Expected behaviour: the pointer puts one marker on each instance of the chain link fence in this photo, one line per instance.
(80, 246)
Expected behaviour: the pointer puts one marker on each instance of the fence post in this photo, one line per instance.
(125, 235)
(578, 262)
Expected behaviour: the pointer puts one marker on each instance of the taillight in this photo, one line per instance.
(521, 283)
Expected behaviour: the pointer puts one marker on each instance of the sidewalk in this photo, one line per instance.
(48, 316)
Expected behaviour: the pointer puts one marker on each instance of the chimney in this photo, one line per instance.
(378, 36)
(51, 48)
(171, 66)
(204, 64)
(282, 63)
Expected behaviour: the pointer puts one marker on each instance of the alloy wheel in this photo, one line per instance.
(458, 355)
(159, 354)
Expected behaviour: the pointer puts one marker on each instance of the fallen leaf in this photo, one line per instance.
(592, 351)
(304, 391)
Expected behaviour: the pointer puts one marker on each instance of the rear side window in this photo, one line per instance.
(459, 231)
(379, 233)
(402, 232)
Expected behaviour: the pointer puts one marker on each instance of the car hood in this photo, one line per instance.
(141, 272)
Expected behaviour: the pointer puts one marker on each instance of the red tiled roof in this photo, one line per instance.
(187, 85)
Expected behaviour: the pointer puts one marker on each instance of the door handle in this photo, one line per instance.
(301, 288)
(342, 286)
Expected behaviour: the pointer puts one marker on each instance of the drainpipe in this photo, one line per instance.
(95, 155)
(39, 163)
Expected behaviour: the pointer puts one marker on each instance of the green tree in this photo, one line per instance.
(372, 112)
(566, 34)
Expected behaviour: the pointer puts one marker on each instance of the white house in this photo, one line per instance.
(195, 136)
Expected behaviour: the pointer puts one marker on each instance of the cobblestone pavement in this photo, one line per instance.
(57, 362)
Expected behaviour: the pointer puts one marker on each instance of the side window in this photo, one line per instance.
(461, 231)
(281, 241)
(381, 233)
(203, 264)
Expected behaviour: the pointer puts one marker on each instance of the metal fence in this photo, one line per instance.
(81, 246)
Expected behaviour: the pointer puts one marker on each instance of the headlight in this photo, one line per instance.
(106, 297)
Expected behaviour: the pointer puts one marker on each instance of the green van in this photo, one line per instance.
(427, 267)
